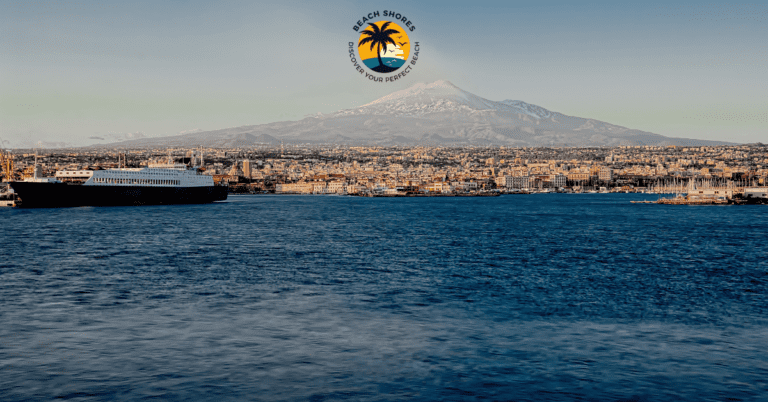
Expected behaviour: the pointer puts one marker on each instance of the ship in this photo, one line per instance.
(157, 184)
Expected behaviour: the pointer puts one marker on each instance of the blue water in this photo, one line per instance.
(530, 298)
(388, 61)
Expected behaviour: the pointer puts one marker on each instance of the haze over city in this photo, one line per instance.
(92, 72)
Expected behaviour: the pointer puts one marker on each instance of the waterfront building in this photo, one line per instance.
(756, 192)
(295, 188)
(606, 174)
(558, 180)
(336, 187)
(504, 181)
(520, 182)
(440, 187)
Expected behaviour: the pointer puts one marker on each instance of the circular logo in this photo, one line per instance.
(383, 46)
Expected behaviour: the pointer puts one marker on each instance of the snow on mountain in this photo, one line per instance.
(437, 113)
(531, 110)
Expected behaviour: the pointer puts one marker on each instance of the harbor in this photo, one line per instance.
(704, 192)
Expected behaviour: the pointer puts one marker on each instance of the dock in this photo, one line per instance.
(688, 200)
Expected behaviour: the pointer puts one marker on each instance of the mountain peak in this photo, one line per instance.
(436, 112)
(439, 84)
(430, 94)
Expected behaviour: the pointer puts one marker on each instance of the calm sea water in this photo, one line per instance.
(530, 298)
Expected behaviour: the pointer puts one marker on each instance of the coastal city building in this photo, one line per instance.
(308, 169)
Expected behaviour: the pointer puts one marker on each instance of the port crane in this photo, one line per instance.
(6, 166)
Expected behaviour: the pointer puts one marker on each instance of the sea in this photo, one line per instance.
(393, 62)
(544, 297)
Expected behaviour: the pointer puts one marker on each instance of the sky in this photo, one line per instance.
(81, 72)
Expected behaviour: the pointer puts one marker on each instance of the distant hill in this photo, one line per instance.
(429, 114)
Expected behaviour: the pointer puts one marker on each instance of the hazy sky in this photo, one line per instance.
(75, 72)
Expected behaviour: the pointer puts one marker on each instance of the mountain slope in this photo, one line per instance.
(431, 114)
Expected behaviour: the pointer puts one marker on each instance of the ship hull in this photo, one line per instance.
(56, 195)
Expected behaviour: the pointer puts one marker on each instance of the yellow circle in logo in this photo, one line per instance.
(384, 46)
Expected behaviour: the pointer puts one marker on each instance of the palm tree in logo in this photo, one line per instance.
(379, 37)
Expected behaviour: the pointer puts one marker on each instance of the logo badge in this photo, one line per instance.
(383, 50)
(383, 46)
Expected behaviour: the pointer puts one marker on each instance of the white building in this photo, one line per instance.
(756, 192)
(520, 182)
(504, 181)
(336, 187)
(440, 187)
(558, 180)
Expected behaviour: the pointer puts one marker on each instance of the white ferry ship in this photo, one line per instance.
(169, 183)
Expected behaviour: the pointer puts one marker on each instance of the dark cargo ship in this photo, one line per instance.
(154, 185)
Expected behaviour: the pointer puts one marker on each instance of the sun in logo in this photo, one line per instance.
(383, 46)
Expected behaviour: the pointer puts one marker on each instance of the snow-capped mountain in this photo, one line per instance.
(438, 113)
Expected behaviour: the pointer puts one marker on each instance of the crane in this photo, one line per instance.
(6, 165)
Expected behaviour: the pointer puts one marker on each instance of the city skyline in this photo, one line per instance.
(76, 72)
